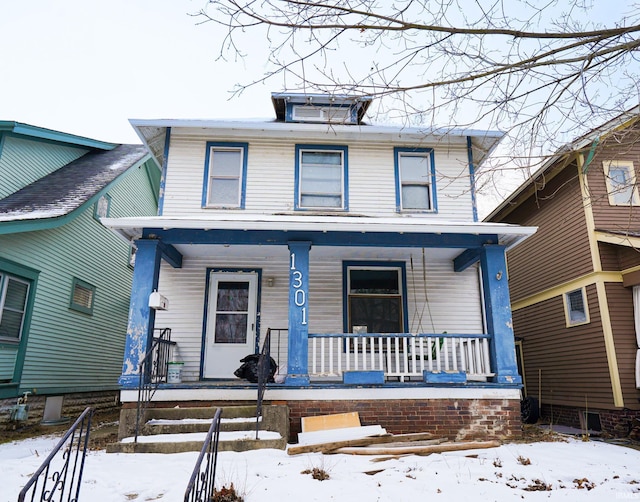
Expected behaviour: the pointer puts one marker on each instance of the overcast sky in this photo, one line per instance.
(86, 67)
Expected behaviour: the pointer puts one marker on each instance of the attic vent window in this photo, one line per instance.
(82, 296)
(331, 114)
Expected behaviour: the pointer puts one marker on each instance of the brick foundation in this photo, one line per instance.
(616, 423)
(457, 419)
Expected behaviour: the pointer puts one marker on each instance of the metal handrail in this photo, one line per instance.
(264, 371)
(67, 478)
(202, 482)
(152, 375)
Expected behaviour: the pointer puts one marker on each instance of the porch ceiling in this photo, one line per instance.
(321, 230)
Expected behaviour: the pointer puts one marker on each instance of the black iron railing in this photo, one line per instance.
(60, 475)
(153, 371)
(265, 375)
(202, 482)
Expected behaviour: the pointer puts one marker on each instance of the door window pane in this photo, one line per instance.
(233, 296)
(231, 328)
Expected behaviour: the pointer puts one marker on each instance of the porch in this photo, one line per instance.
(328, 277)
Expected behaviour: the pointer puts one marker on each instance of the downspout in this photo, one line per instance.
(163, 178)
(472, 179)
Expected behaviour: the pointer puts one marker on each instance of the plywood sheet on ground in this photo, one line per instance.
(328, 422)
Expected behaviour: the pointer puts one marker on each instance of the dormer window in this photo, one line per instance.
(326, 114)
(320, 108)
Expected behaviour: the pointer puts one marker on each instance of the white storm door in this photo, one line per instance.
(231, 322)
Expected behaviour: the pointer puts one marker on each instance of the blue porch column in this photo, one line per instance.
(141, 317)
(298, 365)
(498, 311)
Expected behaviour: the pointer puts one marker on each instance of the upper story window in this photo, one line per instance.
(225, 175)
(102, 207)
(575, 303)
(415, 180)
(321, 177)
(620, 177)
(14, 293)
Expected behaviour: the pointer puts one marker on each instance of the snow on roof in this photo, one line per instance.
(69, 187)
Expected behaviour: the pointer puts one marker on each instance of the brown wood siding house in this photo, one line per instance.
(572, 283)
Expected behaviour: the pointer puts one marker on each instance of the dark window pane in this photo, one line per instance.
(233, 297)
(231, 328)
(374, 282)
(378, 314)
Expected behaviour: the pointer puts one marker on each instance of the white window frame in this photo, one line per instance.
(209, 175)
(342, 150)
(617, 194)
(4, 281)
(567, 307)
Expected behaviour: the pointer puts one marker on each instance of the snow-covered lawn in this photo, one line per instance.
(571, 470)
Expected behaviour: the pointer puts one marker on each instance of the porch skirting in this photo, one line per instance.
(456, 412)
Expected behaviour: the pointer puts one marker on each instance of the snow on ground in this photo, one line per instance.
(572, 470)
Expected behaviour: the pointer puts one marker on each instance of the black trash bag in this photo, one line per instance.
(249, 369)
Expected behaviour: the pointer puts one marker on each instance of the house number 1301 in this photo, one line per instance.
(299, 296)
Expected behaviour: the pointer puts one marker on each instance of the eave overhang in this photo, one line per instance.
(320, 230)
(155, 133)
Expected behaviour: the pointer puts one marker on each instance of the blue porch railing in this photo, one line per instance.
(399, 355)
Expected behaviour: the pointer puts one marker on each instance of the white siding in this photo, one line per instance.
(454, 304)
(271, 166)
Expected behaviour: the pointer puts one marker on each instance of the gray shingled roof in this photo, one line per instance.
(66, 189)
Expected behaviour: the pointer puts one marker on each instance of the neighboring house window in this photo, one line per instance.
(321, 177)
(621, 183)
(576, 307)
(415, 179)
(102, 207)
(82, 296)
(374, 298)
(225, 175)
(14, 293)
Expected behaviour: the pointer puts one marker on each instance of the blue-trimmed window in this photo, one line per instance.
(415, 180)
(225, 175)
(374, 297)
(14, 295)
(82, 296)
(102, 207)
(321, 177)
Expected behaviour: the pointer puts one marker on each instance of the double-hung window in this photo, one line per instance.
(621, 183)
(225, 175)
(14, 293)
(374, 297)
(415, 180)
(321, 177)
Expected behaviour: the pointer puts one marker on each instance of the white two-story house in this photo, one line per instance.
(356, 247)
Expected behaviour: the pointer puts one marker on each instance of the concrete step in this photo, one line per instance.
(175, 430)
(188, 425)
(193, 442)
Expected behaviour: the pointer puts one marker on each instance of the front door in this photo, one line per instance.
(231, 322)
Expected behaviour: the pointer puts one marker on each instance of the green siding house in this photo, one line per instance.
(65, 279)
